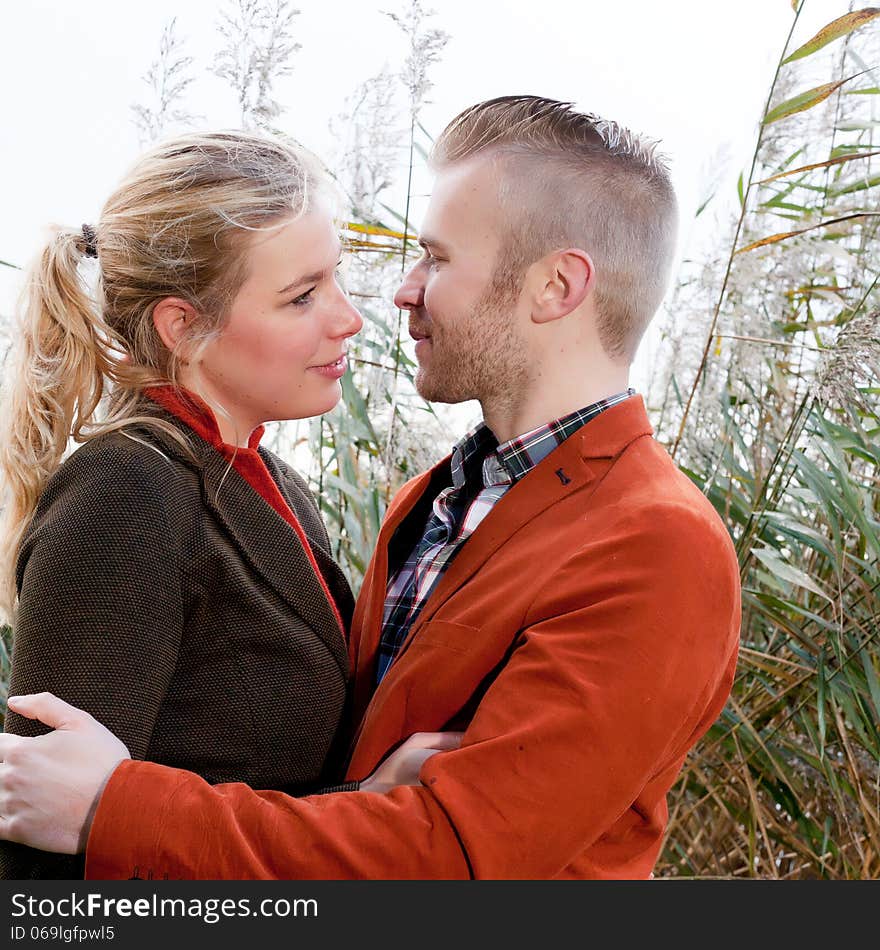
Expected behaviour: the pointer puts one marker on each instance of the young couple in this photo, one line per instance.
(550, 619)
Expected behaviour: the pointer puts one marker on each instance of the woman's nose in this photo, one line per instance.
(347, 318)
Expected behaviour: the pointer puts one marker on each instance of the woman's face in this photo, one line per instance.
(281, 353)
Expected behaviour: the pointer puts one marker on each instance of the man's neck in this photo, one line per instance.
(509, 418)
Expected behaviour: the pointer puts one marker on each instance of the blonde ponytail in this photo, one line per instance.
(177, 226)
(55, 387)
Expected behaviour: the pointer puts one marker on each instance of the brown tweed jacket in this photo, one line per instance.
(162, 594)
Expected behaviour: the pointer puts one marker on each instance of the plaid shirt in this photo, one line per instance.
(482, 471)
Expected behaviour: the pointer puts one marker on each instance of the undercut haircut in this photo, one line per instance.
(571, 179)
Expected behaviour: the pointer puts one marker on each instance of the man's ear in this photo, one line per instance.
(565, 279)
(171, 318)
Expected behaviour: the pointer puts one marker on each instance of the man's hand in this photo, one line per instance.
(50, 785)
(402, 767)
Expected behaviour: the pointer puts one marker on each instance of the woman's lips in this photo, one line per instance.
(334, 370)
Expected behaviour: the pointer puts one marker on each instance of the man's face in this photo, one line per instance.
(470, 344)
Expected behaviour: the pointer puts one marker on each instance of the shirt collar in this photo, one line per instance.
(469, 453)
(479, 451)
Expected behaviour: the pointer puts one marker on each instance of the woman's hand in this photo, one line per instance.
(50, 785)
(402, 767)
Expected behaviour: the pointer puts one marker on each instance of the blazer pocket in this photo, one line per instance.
(443, 674)
(458, 637)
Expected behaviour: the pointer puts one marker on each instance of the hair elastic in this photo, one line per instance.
(90, 237)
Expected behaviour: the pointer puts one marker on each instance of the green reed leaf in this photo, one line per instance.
(803, 101)
(834, 31)
(781, 569)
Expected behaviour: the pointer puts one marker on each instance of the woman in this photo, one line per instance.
(172, 577)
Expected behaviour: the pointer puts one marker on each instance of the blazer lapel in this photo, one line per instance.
(366, 624)
(523, 502)
(301, 503)
(266, 541)
(574, 466)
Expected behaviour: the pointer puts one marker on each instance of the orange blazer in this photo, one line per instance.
(585, 637)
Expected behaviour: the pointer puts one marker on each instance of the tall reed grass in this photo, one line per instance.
(775, 417)
(766, 394)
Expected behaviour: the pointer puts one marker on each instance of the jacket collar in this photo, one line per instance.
(576, 465)
(266, 541)
(198, 415)
(570, 468)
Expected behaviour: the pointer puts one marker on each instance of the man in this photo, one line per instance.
(556, 589)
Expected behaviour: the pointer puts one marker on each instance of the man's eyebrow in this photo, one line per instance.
(307, 278)
(426, 240)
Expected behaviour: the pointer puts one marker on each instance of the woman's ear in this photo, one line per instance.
(565, 279)
(172, 316)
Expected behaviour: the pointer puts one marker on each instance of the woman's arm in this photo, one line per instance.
(402, 766)
(100, 607)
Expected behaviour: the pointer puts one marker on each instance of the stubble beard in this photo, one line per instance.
(483, 357)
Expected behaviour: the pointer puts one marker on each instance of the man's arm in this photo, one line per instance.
(621, 667)
(50, 785)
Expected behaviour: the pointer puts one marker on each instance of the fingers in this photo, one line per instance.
(8, 742)
(48, 709)
(418, 757)
(446, 740)
(7, 832)
(436, 741)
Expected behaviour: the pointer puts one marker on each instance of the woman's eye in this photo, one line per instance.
(303, 299)
(341, 273)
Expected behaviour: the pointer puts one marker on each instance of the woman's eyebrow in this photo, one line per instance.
(308, 278)
(305, 279)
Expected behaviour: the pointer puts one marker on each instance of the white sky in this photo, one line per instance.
(692, 73)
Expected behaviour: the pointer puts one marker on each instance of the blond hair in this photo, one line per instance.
(568, 178)
(177, 225)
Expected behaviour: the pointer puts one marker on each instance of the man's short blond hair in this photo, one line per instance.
(569, 179)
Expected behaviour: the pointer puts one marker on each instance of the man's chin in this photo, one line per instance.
(436, 390)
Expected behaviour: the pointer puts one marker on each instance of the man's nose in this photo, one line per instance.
(411, 293)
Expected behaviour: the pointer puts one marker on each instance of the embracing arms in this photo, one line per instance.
(563, 769)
